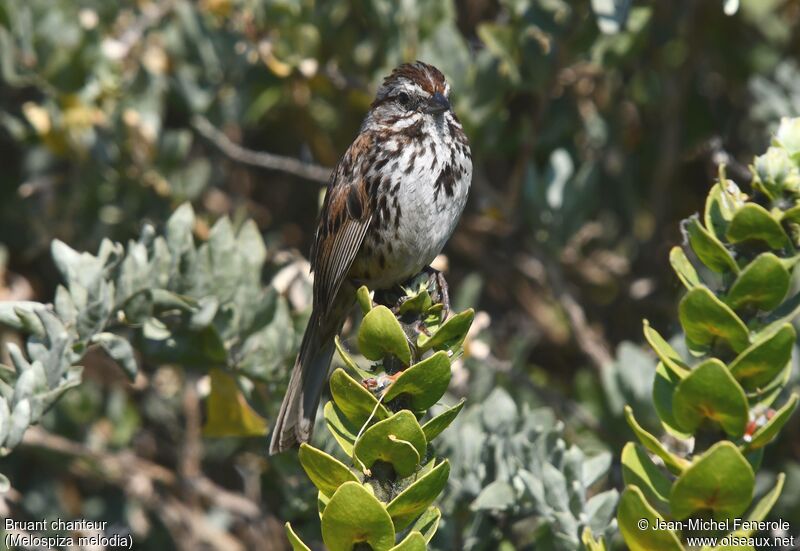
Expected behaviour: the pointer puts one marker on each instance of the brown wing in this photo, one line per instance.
(344, 221)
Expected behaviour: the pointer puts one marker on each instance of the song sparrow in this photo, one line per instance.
(392, 202)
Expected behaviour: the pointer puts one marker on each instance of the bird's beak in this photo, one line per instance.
(437, 104)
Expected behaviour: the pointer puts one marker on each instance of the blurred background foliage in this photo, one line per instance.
(595, 127)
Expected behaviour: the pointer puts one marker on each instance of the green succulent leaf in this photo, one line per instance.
(711, 392)
(634, 513)
(294, 540)
(765, 434)
(348, 360)
(664, 351)
(417, 302)
(705, 320)
(683, 268)
(364, 299)
(792, 215)
(381, 335)
(708, 249)
(664, 385)
(436, 425)
(719, 211)
(398, 440)
(424, 383)
(762, 284)
(673, 462)
(640, 471)
(762, 361)
(449, 335)
(753, 222)
(325, 471)
(761, 509)
(416, 498)
(427, 523)
(785, 313)
(354, 515)
(342, 430)
(353, 400)
(720, 480)
(412, 542)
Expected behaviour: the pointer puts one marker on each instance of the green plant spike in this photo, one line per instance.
(381, 335)
(638, 522)
(294, 540)
(709, 250)
(354, 516)
(762, 284)
(752, 222)
(639, 470)
(720, 480)
(325, 471)
(706, 320)
(683, 268)
(760, 363)
(424, 383)
(413, 501)
(398, 440)
(710, 392)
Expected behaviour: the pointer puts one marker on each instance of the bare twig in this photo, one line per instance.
(259, 159)
(589, 340)
(122, 464)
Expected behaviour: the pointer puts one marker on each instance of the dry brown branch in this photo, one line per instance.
(589, 340)
(259, 159)
(159, 488)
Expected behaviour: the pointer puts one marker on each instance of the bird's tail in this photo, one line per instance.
(295, 421)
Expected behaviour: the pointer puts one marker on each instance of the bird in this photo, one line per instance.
(392, 202)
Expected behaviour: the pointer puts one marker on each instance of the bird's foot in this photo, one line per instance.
(439, 290)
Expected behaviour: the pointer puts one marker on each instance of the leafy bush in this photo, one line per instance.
(736, 264)
(383, 496)
(514, 465)
(202, 306)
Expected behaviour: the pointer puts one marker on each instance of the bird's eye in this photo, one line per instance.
(403, 98)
